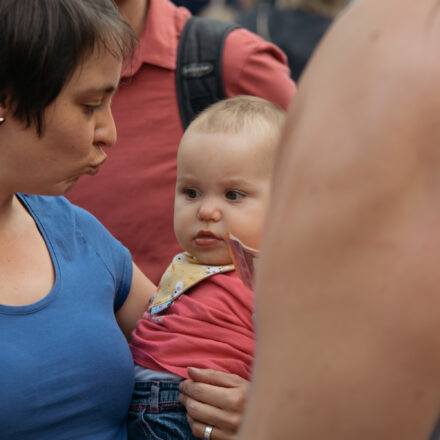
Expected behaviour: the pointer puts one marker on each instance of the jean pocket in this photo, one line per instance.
(138, 425)
(166, 425)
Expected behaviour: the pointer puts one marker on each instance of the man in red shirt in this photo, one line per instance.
(133, 194)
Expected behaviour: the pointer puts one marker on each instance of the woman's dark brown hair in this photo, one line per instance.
(42, 42)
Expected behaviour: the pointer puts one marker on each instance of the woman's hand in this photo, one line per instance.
(216, 399)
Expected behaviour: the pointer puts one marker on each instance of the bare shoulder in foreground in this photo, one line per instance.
(348, 295)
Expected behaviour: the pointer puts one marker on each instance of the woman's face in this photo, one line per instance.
(76, 128)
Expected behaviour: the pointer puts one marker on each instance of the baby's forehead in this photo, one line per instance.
(234, 157)
(264, 141)
(236, 149)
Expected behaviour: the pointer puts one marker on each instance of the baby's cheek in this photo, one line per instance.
(250, 236)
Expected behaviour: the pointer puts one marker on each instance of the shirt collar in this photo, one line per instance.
(159, 38)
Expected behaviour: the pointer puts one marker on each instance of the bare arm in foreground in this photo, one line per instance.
(348, 298)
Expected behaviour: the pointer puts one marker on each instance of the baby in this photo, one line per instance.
(201, 314)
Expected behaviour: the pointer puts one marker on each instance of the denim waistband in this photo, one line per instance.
(156, 396)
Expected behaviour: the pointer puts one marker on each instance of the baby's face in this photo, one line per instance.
(223, 185)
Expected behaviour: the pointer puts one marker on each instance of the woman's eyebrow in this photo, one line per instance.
(107, 90)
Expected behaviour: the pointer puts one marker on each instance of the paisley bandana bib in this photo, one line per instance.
(183, 273)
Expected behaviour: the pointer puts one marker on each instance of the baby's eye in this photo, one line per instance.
(234, 195)
(191, 193)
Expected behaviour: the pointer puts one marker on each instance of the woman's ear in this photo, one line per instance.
(3, 108)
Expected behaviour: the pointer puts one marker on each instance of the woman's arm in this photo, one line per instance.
(216, 399)
(136, 303)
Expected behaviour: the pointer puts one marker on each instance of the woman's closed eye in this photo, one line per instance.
(91, 108)
(234, 195)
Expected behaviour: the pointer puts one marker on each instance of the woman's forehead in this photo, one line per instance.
(98, 70)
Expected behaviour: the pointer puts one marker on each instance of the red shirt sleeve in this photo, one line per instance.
(252, 66)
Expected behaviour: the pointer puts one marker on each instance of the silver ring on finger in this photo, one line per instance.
(207, 433)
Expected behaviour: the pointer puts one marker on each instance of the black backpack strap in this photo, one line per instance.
(199, 81)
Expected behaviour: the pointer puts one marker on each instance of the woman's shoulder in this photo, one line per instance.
(50, 205)
(57, 208)
(73, 228)
(59, 217)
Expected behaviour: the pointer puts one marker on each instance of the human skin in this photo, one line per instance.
(78, 126)
(223, 184)
(350, 255)
(135, 12)
(71, 145)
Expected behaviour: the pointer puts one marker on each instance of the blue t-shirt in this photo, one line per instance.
(66, 371)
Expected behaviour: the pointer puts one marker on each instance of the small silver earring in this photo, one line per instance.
(2, 119)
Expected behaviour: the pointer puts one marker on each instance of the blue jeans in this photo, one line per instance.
(156, 414)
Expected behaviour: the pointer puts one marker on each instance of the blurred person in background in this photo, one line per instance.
(296, 26)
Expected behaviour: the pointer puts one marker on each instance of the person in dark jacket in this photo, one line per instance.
(296, 26)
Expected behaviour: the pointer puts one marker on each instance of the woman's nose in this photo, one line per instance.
(105, 130)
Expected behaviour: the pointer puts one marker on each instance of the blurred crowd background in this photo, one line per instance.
(296, 26)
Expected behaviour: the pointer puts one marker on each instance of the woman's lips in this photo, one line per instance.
(93, 169)
(206, 238)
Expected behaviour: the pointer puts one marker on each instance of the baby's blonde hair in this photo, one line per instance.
(255, 117)
(242, 113)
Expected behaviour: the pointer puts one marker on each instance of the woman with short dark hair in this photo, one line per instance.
(66, 369)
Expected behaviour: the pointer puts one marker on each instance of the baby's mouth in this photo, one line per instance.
(206, 238)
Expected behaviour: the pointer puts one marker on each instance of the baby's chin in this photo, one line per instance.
(216, 262)
(211, 260)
